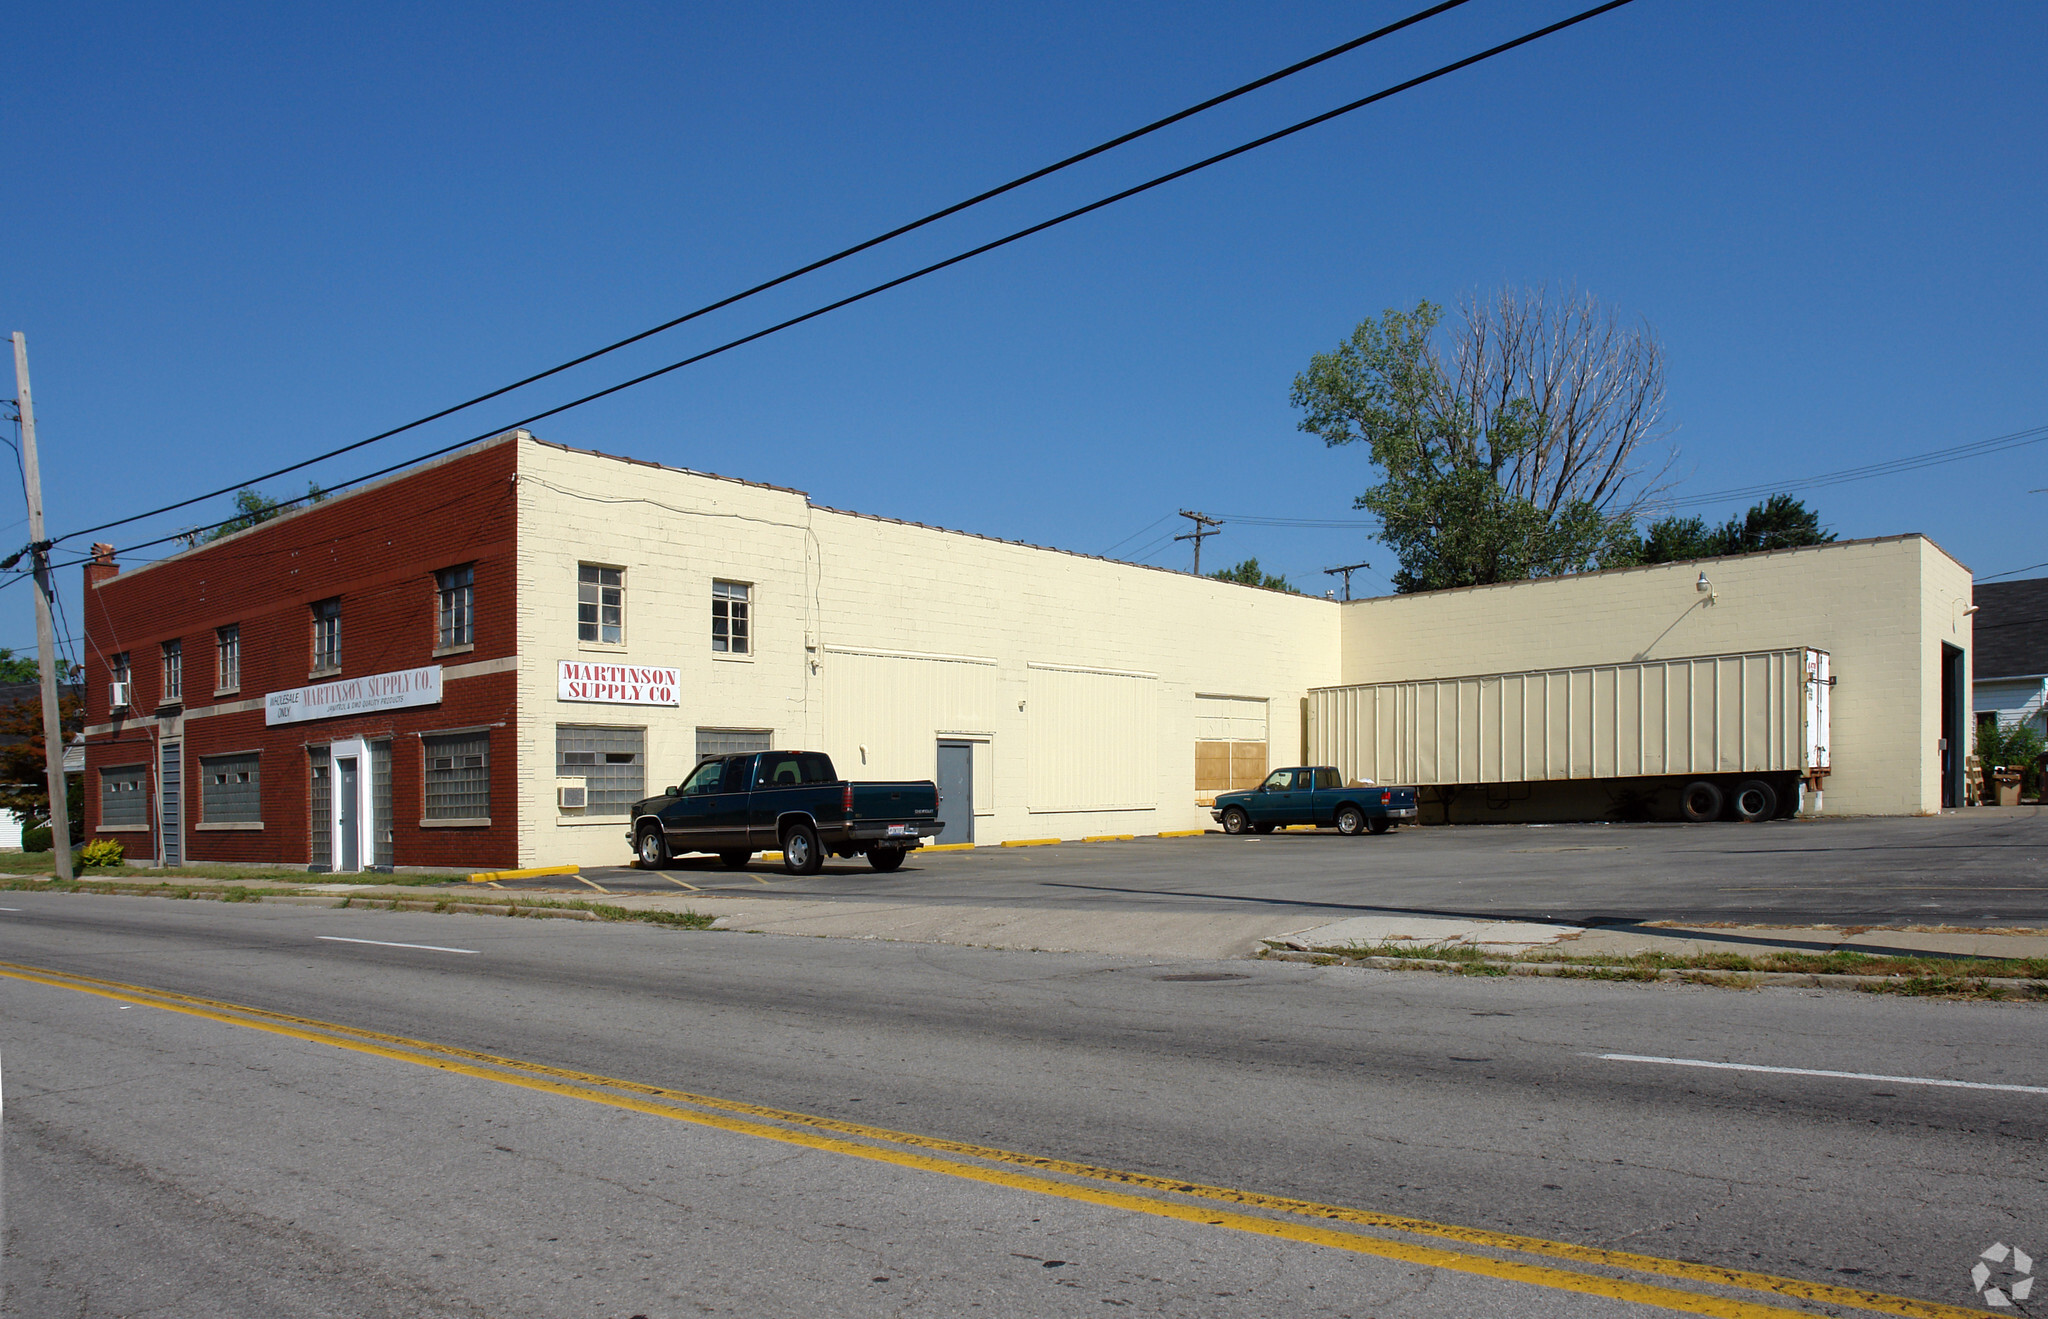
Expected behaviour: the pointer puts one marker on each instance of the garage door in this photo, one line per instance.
(1230, 744)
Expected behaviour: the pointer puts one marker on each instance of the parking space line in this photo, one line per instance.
(592, 883)
(386, 943)
(680, 884)
(1815, 1071)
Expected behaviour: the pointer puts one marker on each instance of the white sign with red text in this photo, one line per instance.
(378, 691)
(617, 684)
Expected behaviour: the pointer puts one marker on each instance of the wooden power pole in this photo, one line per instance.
(1347, 570)
(1204, 526)
(46, 633)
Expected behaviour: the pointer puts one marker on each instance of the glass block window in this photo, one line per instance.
(123, 798)
(327, 636)
(456, 625)
(600, 604)
(732, 741)
(321, 799)
(380, 803)
(730, 629)
(458, 776)
(227, 658)
(612, 762)
(174, 672)
(230, 789)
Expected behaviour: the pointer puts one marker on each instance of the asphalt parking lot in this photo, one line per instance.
(1985, 867)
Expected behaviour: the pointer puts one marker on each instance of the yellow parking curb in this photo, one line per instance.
(776, 857)
(945, 847)
(1182, 833)
(1298, 828)
(1110, 838)
(486, 876)
(1031, 842)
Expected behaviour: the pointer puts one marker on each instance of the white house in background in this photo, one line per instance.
(2012, 653)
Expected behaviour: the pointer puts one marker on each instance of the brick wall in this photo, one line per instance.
(377, 550)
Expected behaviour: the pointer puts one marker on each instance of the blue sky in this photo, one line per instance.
(234, 233)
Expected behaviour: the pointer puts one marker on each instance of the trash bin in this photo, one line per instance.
(2007, 783)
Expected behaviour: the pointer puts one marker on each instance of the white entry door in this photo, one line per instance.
(354, 822)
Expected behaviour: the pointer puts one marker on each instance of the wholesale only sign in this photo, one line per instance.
(379, 691)
(617, 684)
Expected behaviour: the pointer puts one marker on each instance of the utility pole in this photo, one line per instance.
(1204, 526)
(1347, 570)
(46, 634)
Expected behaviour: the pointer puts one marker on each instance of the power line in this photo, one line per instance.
(934, 268)
(705, 310)
(2011, 572)
(1889, 467)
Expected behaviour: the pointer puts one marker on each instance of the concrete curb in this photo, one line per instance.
(2024, 989)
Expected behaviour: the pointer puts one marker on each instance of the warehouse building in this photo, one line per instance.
(482, 661)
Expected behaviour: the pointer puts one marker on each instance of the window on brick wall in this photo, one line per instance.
(458, 776)
(600, 604)
(456, 621)
(227, 658)
(123, 801)
(327, 637)
(731, 624)
(230, 789)
(174, 673)
(609, 760)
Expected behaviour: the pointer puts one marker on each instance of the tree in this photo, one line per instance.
(24, 777)
(23, 668)
(1249, 573)
(1780, 522)
(1520, 456)
(253, 507)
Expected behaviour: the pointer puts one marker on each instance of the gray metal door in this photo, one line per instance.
(171, 801)
(346, 807)
(956, 791)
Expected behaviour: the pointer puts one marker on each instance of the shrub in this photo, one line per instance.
(2017, 745)
(36, 838)
(102, 852)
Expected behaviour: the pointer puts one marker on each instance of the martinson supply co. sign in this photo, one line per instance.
(617, 684)
(330, 700)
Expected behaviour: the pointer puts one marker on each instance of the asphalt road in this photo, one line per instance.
(173, 1157)
(1974, 868)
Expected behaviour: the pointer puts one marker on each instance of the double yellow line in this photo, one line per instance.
(1598, 1272)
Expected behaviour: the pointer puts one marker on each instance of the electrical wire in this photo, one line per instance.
(944, 212)
(1889, 467)
(1139, 532)
(2011, 572)
(936, 266)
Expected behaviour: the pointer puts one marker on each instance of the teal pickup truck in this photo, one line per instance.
(1317, 795)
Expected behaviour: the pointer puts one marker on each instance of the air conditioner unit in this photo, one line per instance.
(572, 794)
(117, 695)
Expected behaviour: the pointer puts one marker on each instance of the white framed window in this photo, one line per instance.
(174, 673)
(611, 761)
(458, 775)
(731, 624)
(117, 666)
(327, 637)
(600, 604)
(227, 658)
(456, 618)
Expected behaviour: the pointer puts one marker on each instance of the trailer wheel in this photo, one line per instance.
(1701, 801)
(1755, 800)
(734, 859)
(885, 859)
(1350, 820)
(1235, 821)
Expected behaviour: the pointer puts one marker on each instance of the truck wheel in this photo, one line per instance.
(734, 860)
(1350, 821)
(1755, 800)
(653, 849)
(1700, 801)
(1263, 828)
(1235, 821)
(885, 859)
(801, 854)
(1379, 826)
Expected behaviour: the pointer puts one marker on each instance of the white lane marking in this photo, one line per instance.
(10, 909)
(386, 943)
(1813, 1071)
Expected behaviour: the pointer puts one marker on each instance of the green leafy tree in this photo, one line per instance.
(1249, 573)
(23, 668)
(1780, 522)
(253, 507)
(1516, 457)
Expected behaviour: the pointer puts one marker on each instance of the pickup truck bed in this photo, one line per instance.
(736, 806)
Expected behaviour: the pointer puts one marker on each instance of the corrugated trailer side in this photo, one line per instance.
(1678, 719)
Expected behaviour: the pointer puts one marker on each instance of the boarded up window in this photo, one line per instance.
(1093, 740)
(1230, 744)
(122, 798)
(230, 789)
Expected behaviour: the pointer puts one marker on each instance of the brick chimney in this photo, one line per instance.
(101, 566)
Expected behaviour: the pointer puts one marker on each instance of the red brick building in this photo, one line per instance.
(334, 686)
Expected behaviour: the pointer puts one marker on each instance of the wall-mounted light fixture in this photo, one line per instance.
(1706, 588)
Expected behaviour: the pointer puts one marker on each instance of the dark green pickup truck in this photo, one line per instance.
(1317, 795)
(736, 806)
